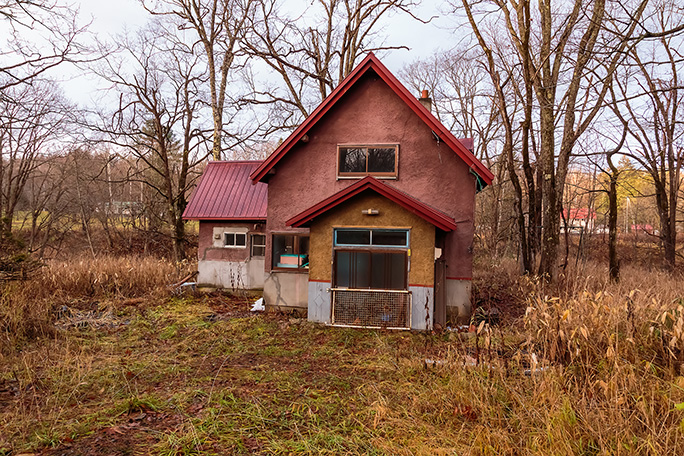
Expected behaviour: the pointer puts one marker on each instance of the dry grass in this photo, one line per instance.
(111, 277)
(589, 367)
(27, 308)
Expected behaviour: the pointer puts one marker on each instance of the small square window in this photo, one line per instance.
(234, 240)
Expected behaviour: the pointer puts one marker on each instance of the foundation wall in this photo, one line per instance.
(320, 306)
(459, 307)
(287, 292)
(248, 274)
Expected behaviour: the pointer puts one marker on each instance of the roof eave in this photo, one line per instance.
(372, 62)
(414, 206)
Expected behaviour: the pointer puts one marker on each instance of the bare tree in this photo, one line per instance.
(647, 102)
(160, 96)
(312, 59)
(28, 131)
(219, 28)
(568, 54)
(43, 34)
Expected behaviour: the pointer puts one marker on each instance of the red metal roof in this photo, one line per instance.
(225, 192)
(372, 62)
(435, 217)
(581, 213)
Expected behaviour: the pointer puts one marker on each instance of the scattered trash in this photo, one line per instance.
(258, 306)
(460, 328)
(184, 284)
(538, 370)
(467, 361)
(188, 285)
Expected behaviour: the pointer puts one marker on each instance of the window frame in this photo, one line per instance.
(371, 245)
(371, 249)
(234, 245)
(296, 249)
(370, 252)
(358, 175)
(252, 244)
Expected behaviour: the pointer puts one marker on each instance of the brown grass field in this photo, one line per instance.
(100, 357)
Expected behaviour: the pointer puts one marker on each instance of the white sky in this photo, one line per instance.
(113, 17)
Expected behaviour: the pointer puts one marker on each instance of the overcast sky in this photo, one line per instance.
(114, 17)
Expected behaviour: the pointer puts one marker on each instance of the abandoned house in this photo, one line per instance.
(363, 216)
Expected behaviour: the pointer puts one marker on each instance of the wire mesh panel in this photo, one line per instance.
(371, 308)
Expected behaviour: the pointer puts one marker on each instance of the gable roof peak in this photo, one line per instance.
(372, 62)
(422, 210)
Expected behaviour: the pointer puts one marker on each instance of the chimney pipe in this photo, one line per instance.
(425, 100)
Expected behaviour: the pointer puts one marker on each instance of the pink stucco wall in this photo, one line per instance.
(371, 113)
(206, 250)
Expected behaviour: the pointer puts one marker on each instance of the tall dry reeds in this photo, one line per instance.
(111, 277)
(27, 308)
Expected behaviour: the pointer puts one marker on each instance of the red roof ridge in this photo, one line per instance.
(372, 62)
(427, 213)
(246, 162)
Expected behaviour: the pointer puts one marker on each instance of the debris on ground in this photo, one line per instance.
(185, 284)
(69, 318)
(258, 306)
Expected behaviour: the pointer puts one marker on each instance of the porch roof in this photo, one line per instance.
(427, 213)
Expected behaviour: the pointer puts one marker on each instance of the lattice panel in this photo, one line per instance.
(378, 309)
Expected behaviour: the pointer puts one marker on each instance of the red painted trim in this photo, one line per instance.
(319, 281)
(459, 278)
(372, 62)
(422, 286)
(224, 219)
(422, 210)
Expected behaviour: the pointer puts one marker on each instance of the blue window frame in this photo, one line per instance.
(371, 237)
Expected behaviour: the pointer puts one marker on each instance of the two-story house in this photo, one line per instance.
(369, 214)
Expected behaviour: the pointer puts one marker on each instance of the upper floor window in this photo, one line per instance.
(358, 161)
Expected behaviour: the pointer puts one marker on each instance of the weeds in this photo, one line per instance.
(588, 368)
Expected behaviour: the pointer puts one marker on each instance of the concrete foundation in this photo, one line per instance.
(320, 308)
(287, 292)
(459, 307)
(235, 275)
(422, 307)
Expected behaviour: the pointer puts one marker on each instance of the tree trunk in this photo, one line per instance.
(613, 262)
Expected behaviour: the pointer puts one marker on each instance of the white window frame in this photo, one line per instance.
(235, 234)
